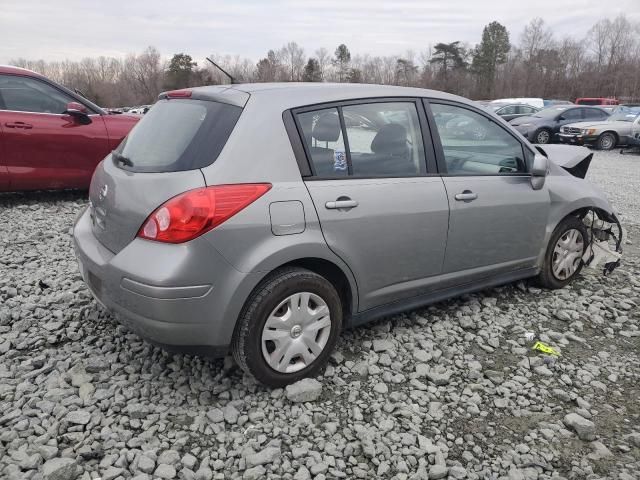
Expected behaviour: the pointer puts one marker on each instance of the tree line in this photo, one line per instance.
(604, 63)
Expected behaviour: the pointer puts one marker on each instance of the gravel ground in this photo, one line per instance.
(451, 391)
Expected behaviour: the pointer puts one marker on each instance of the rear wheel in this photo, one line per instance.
(288, 327)
(607, 141)
(563, 259)
(543, 136)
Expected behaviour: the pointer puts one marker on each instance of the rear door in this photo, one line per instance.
(45, 148)
(497, 221)
(380, 210)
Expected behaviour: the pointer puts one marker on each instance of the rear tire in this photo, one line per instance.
(542, 136)
(563, 258)
(607, 141)
(288, 327)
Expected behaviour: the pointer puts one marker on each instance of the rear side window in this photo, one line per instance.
(382, 140)
(323, 139)
(177, 135)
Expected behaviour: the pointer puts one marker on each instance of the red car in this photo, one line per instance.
(50, 137)
(596, 101)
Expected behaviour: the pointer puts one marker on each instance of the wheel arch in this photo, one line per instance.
(334, 274)
(612, 132)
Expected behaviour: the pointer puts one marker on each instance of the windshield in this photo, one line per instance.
(178, 135)
(627, 115)
(550, 112)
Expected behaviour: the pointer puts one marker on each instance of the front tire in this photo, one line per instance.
(607, 141)
(288, 327)
(542, 136)
(563, 258)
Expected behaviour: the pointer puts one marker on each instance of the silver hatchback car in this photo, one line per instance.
(264, 218)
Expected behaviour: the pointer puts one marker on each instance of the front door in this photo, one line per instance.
(45, 148)
(497, 222)
(378, 210)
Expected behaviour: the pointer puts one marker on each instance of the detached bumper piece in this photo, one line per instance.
(607, 236)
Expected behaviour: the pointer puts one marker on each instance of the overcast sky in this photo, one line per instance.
(59, 29)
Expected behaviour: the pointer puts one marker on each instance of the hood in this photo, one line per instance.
(521, 120)
(575, 160)
(598, 124)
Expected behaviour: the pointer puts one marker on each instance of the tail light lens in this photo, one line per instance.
(195, 212)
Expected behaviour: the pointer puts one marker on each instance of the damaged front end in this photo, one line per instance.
(606, 236)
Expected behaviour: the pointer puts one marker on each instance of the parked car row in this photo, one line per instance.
(51, 137)
(617, 130)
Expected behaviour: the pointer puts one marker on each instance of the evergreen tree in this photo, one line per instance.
(312, 71)
(491, 52)
(180, 71)
(342, 60)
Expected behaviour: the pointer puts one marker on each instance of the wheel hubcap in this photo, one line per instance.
(543, 137)
(567, 254)
(296, 332)
(607, 142)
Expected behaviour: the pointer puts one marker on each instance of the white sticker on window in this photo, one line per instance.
(339, 161)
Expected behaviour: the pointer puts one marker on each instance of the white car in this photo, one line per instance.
(534, 102)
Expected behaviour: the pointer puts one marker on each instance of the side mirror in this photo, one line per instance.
(539, 171)
(78, 112)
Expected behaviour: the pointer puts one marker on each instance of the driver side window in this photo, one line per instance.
(23, 94)
(474, 145)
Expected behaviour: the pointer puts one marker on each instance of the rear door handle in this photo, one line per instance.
(466, 196)
(26, 126)
(340, 204)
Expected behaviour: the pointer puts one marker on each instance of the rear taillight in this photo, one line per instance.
(195, 212)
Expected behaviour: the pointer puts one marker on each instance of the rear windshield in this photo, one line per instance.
(178, 134)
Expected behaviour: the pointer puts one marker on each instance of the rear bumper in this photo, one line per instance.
(184, 296)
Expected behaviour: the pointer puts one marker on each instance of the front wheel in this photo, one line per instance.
(543, 136)
(563, 259)
(607, 141)
(288, 327)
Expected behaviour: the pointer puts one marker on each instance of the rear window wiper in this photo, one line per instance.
(119, 158)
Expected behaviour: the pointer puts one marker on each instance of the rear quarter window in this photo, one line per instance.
(177, 135)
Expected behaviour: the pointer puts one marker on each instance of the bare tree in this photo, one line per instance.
(292, 55)
(324, 61)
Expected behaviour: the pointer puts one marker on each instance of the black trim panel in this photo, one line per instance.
(297, 145)
(419, 301)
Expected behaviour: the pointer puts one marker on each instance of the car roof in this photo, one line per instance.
(294, 94)
(9, 69)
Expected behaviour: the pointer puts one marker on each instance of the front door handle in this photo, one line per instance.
(466, 196)
(341, 204)
(26, 126)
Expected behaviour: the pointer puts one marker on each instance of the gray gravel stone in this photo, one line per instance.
(585, 429)
(263, 457)
(306, 390)
(60, 469)
(165, 471)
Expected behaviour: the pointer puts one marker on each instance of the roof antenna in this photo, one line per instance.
(222, 70)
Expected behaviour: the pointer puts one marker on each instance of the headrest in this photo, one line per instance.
(327, 128)
(390, 139)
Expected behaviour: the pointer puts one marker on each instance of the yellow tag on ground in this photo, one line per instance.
(544, 348)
